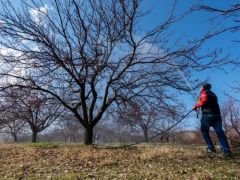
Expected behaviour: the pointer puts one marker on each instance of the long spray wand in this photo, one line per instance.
(194, 95)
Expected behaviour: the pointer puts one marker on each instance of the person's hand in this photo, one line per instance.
(194, 108)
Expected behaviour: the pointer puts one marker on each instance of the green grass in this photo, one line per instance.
(43, 145)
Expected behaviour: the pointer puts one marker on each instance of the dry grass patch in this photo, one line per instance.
(61, 161)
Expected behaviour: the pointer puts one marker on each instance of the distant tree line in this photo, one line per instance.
(85, 61)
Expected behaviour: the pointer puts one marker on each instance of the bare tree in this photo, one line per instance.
(69, 128)
(225, 20)
(10, 119)
(41, 112)
(231, 120)
(92, 55)
(139, 117)
(33, 108)
(229, 20)
(230, 13)
(149, 119)
(12, 125)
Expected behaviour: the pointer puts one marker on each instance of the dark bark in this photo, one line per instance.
(34, 136)
(88, 136)
(145, 133)
(15, 137)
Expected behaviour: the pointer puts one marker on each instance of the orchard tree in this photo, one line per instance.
(12, 124)
(138, 117)
(231, 119)
(69, 127)
(30, 107)
(92, 55)
(147, 118)
(230, 14)
(225, 20)
(10, 121)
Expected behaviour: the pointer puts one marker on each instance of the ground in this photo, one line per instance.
(75, 161)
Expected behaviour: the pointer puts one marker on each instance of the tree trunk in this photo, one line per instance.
(14, 137)
(162, 138)
(34, 136)
(88, 136)
(145, 133)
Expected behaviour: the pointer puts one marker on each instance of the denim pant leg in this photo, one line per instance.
(205, 125)
(217, 125)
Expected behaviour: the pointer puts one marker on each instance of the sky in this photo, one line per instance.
(191, 27)
(194, 26)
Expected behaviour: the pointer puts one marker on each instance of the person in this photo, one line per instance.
(211, 116)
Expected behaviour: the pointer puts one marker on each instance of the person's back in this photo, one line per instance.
(211, 106)
(211, 116)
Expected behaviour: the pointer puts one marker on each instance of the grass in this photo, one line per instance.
(75, 161)
(43, 145)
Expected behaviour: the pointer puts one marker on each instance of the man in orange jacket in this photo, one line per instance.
(211, 116)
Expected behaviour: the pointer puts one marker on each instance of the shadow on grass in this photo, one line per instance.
(112, 147)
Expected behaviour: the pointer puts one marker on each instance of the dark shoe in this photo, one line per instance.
(227, 154)
(211, 150)
(211, 153)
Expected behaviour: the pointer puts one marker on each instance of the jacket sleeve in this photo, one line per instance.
(203, 100)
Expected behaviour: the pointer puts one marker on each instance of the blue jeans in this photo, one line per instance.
(216, 122)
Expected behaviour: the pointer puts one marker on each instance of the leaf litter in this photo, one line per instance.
(73, 161)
